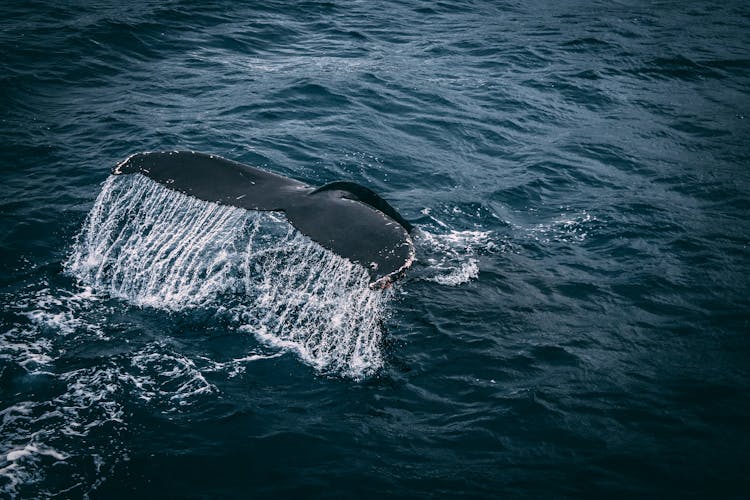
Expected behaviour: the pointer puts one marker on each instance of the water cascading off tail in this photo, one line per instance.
(155, 247)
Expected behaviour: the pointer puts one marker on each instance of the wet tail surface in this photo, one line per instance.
(350, 220)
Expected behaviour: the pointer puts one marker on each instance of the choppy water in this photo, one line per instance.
(576, 323)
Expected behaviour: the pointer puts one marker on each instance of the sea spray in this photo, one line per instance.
(154, 247)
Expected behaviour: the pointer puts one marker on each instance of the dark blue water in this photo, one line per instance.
(576, 324)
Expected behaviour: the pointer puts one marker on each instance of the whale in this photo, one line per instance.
(344, 217)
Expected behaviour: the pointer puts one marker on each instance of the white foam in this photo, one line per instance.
(25, 347)
(465, 272)
(451, 257)
(167, 378)
(34, 432)
(236, 366)
(14, 455)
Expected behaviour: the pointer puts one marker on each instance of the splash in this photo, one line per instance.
(158, 248)
(452, 258)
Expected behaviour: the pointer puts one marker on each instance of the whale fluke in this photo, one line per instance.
(346, 218)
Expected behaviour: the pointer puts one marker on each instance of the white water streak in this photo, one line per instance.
(155, 247)
(151, 246)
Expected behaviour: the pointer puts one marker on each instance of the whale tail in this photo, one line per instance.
(343, 217)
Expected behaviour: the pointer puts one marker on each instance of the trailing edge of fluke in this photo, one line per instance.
(346, 218)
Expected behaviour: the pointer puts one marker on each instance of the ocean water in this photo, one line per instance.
(577, 321)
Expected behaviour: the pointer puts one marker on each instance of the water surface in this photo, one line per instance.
(576, 323)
